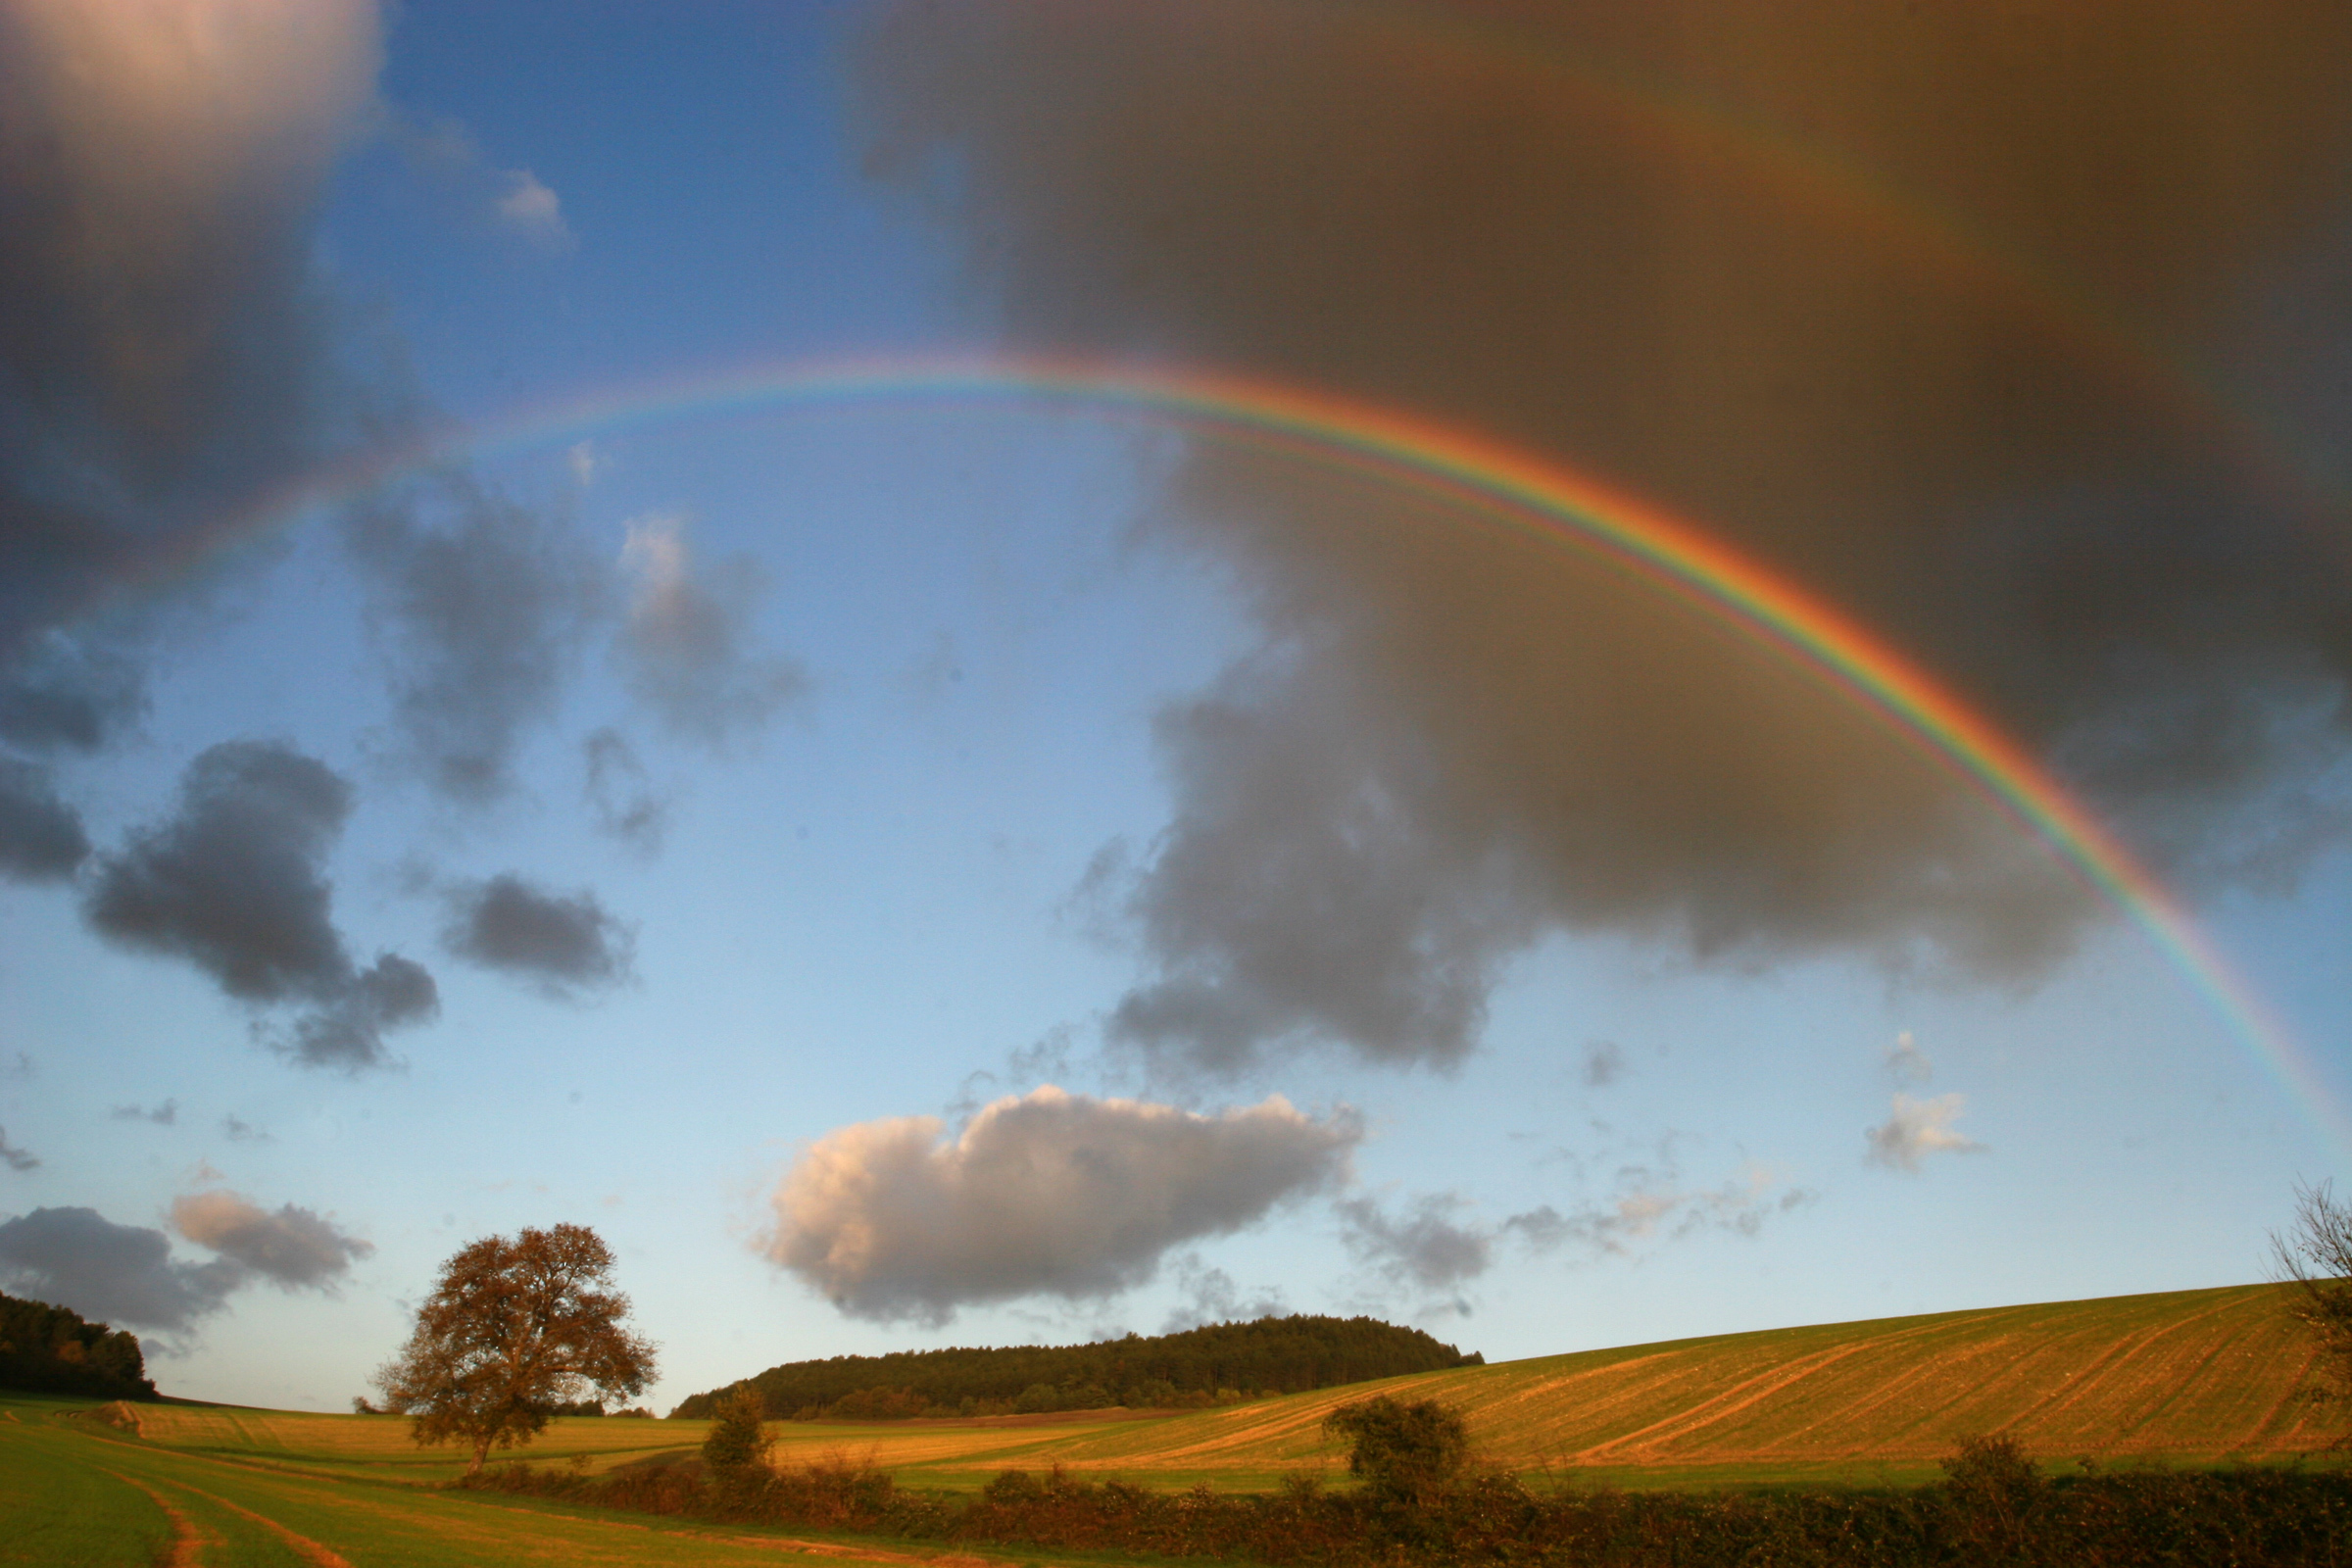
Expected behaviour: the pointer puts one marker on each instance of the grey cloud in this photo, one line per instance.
(1457, 741)
(1211, 1295)
(293, 1247)
(625, 806)
(1916, 1129)
(18, 1159)
(233, 882)
(1050, 1193)
(239, 1131)
(1603, 1064)
(163, 1115)
(1425, 1246)
(563, 941)
(482, 605)
(162, 331)
(684, 646)
(77, 1258)
(41, 837)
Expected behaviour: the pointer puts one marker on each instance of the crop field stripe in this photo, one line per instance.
(188, 1541)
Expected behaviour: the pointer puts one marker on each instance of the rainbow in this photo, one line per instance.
(1533, 494)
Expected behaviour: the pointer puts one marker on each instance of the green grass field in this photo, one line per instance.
(2188, 1377)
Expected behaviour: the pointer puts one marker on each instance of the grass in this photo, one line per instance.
(2189, 1377)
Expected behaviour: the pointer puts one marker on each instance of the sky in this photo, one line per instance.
(1016, 672)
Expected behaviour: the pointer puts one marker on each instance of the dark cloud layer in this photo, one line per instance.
(163, 341)
(41, 837)
(563, 941)
(234, 883)
(1455, 740)
(1048, 1194)
(76, 1257)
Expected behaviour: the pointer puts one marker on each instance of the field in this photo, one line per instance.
(2189, 1377)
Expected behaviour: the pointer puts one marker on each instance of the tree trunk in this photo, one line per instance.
(481, 1451)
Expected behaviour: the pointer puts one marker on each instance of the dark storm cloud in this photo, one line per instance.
(483, 605)
(563, 941)
(685, 648)
(77, 1258)
(162, 335)
(1048, 1194)
(292, 1247)
(41, 837)
(234, 883)
(1455, 741)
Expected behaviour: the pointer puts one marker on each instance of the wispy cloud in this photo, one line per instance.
(1917, 1129)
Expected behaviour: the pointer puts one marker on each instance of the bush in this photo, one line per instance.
(738, 1442)
(1404, 1453)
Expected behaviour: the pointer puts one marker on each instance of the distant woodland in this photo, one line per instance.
(49, 1349)
(1221, 1364)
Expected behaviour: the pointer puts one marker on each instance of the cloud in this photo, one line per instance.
(41, 837)
(163, 1115)
(75, 1257)
(1048, 1194)
(234, 883)
(1455, 741)
(482, 605)
(564, 942)
(1917, 1129)
(1655, 1203)
(683, 648)
(617, 792)
(1603, 1065)
(14, 1158)
(513, 202)
(531, 209)
(293, 1247)
(1211, 1297)
(239, 1131)
(1906, 1063)
(1425, 1246)
(163, 332)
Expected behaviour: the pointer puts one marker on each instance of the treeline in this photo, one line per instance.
(1995, 1508)
(1218, 1362)
(51, 1349)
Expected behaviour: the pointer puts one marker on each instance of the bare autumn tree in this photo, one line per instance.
(512, 1329)
(2316, 1256)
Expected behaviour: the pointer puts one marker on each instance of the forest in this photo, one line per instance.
(1219, 1362)
(49, 1349)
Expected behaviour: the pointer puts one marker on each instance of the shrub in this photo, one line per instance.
(1404, 1453)
(738, 1442)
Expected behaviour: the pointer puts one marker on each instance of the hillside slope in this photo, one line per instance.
(2189, 1376)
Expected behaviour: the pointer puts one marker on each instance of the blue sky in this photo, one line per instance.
(743, 783)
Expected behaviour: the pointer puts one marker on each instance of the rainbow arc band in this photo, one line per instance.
(1485, 477)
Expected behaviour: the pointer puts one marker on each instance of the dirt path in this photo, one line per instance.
(310, 1551)
(187, 1542)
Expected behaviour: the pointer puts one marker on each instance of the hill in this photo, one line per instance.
(1271, 1356)
(2187, 1376)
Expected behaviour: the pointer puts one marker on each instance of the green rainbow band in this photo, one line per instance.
(1492, 478)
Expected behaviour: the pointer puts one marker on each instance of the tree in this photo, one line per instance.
(738, 1441)
(513, 1328)
(1405, 1454)
(2316, 1256)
